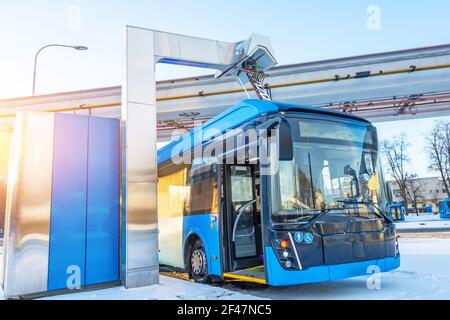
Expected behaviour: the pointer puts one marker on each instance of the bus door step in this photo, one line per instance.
(255, 275)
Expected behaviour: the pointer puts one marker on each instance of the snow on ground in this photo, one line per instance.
(423, 222)
(167, 289)
(422, 217)
(424, 274)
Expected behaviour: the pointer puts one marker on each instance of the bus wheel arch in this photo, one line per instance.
(187, 250)
(195, 253)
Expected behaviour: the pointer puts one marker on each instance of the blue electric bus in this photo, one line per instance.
(444, 209)
(396, 211)
(317, 216)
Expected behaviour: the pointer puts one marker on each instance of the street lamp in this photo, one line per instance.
(80, 48)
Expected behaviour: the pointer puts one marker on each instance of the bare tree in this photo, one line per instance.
(396, 155)
(439, 151)
(435, 197)
(414, 191)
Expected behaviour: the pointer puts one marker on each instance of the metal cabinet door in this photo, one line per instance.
(68, 214)
(102, 229)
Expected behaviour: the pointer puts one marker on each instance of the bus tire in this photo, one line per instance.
(198, 264)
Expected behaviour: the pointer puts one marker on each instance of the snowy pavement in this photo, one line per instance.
(167, 289)
(422, 223)
(424, 274)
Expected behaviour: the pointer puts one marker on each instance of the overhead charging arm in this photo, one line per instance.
(247, 60)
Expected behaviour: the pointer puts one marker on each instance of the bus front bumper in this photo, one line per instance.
(277, 276)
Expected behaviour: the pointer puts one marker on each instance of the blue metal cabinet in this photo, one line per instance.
(102, 236)
(69, 199)
(84, 224)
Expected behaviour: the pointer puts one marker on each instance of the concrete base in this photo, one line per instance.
(142, 277)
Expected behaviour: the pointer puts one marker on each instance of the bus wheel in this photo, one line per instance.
(199, 267)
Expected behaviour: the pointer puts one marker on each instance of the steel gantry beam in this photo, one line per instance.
(381, 87)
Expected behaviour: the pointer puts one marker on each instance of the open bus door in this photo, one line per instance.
(242, 224)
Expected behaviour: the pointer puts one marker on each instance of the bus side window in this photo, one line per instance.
(204, 190)
(173, 193)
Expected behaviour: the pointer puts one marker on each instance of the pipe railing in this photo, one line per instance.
(240, 90)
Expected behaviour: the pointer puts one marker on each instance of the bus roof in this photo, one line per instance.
(236, 116)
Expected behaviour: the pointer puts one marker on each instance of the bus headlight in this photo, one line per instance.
(284, 249)
(283, 244)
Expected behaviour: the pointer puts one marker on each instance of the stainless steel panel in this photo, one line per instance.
(5, 138)
(194, 49)
(139, 164)
(141, 226)
(140, 68)
(28, 205)
(141, 142)
(168, 43)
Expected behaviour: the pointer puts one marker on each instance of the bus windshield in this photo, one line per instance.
(335, 169)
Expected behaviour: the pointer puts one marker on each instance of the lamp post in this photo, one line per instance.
(80, 48)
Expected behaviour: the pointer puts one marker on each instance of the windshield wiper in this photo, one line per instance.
(324, 212)
(307, 215)
(296, 219)
(367, 203)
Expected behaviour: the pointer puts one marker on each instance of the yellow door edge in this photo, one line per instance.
(244, 278)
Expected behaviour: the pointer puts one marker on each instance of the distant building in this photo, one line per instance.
(431, 191)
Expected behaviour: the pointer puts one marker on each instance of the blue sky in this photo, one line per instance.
(300, 31)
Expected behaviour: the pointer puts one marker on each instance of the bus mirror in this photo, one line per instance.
(286, 152)
(285, 145)
(348, 170)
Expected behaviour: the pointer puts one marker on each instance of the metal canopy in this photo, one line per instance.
(145, 48)
(413, 84)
